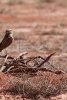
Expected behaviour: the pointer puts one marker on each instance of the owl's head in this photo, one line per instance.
(9, 33)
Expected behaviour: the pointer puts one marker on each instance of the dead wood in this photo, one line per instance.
(26, 65)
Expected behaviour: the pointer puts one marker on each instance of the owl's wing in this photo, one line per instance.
(3, 41)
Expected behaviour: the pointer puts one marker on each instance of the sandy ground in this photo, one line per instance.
(39, 29)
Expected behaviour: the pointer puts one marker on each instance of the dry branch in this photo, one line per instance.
(27, 65)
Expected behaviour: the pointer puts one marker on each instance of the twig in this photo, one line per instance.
(45, 60)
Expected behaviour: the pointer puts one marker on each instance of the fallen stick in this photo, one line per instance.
(46, 60)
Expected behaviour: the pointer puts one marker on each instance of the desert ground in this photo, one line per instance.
(40, 29)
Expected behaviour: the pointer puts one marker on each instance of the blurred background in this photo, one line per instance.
(38, 25)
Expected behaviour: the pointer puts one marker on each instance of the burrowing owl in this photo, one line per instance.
(7, 40)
